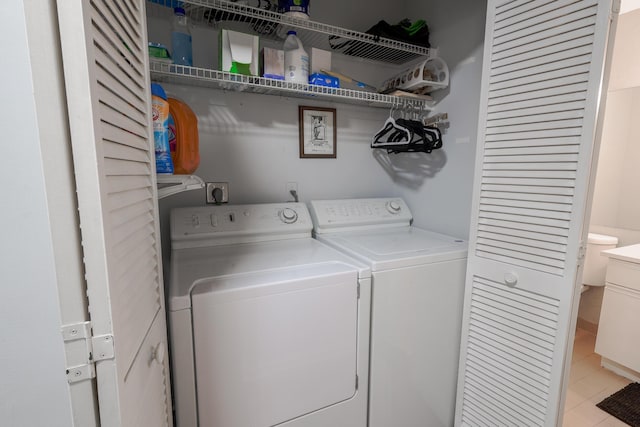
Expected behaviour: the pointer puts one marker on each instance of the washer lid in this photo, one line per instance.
(193, 265)
(601, 239)
(397, 247)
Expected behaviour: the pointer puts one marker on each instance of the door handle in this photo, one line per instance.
(510, 279)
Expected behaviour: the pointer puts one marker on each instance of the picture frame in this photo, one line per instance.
(317, 127)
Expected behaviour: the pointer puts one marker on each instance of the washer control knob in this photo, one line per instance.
(288, 216)
(393, 207)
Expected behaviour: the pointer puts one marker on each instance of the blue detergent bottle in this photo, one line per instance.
(160, 117)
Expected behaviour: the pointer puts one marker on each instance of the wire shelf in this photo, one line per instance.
(194, 76)
(269, 24)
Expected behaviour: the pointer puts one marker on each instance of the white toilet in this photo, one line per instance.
(595, 265)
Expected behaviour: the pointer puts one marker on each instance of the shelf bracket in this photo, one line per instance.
(173, 184)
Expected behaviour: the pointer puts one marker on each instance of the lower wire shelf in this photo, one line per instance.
(203, 77)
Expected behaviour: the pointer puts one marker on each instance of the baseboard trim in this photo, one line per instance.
(587, 326)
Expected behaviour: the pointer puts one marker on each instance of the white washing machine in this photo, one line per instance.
(268, 326)
(416, 315)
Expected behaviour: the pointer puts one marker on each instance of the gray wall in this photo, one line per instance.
(439, 187)
(251, 141)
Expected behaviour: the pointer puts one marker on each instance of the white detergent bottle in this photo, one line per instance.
(296, 60)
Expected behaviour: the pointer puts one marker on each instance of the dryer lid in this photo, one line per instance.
(398, 247)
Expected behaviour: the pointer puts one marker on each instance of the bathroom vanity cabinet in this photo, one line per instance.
(618, 340)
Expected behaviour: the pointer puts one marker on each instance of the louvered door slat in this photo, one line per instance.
(508, 189)
(144, 236)
(537, 12)
(506, 418)
(109, 78)
(529, 116)
(540, 185)
(129, 198)
(114, 150)
(558, 207)
(552, 143)
(512, 344)
(115, 101)
(119, 184)
(526, 211)
(532, 390)
(580, 37)
(125, 92)
(514, 325)
(115, 23)
(104, 45)
(128, 22)
(115, 134)
(126, 213)
(541, 96)
(547, 30)
(532, 87)
(125, 167)
(529, 170)
(518, 106)
(108, 38)
(518, 71)
(565, 161)
(535, 134)
(508, 9)
(122, 232)
(510, 367)
(527, 149)
(543, 198)
(129, 261)
(567, 48)
(538, 113)
(496, 396)
(533, 236)
(112, 115)
(549, 225)
(551, 61)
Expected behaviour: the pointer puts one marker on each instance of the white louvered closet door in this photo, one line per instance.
(539, 106)
(104, 44)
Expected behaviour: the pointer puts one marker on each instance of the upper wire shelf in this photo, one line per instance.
(181, 74)
(269, 24)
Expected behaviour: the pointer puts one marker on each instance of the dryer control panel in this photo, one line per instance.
(228, 224)
(341, 215)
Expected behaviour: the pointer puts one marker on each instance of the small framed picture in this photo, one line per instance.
(317, 132)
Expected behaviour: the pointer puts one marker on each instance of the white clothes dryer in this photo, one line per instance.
(417, 298)
(268, 326)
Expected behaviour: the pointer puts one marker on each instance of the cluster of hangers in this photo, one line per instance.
(407, 133)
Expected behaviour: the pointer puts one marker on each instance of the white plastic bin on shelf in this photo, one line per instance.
(425, 77)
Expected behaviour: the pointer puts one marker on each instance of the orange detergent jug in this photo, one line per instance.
(183, 137)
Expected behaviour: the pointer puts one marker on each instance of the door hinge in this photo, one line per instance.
(78, 347)
(358, 290)
(103, 347)
(615, 8)
(357, 381)
(582, 250)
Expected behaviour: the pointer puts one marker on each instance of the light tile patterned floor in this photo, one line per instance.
(589, 383)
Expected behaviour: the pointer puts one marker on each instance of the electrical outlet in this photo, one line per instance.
(292, 190)
(292, 186)
(224, 190)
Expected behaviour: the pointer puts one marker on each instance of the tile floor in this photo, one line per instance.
(589, 383)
